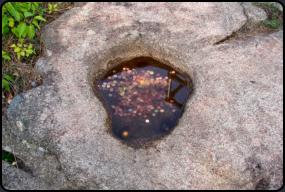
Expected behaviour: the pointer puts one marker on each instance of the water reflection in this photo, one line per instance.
(144, 97)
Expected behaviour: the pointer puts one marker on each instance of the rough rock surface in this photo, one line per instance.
(17, 179)
(42, 169)
(79, 4)
(229, 136)
(254, 13)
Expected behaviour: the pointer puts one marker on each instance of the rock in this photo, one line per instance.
(254, 13)
(79, 4)
(17, 179)
(41, 169)
(229, 137)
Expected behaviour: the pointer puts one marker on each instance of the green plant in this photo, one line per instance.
(21, 18)
(263, 4)
(26, 14)
(52, 8)
(21, 32)
(5, 56)
(9, 157)
(5, 83)
(255, 3)
(6, 78)
(273, 17)
(23, 49)
(273, 24)
(271, 5)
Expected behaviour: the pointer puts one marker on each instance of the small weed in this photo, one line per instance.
(15, 161)
(8, 157)
(266, 5)
(5, 56)
(21, 19)
(23, 49)
(256, 3)
(275, 17)
(271, 5)
(262, 28)
(6, 79)
(22, 23)
(273, 24)
(52, 7)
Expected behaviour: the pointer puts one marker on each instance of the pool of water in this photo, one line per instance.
(144, 97)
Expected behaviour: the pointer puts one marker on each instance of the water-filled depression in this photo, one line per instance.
(145, 98)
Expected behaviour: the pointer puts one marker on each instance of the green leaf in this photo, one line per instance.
(25, 5)
(16, 32)
(28, 14)
(6, 57)
(30, 46)
(13, 45)
(3, 10)
(29, 6)
(21, 40)
(22, 53)
(17, 49)
(49, 6)
(18, 55)
(12, 11)
(23, 10)
(55, 6)
(39, 18)
(50, 11)
(22, 28)
(33, 8)
(4, 21)
(6, 85)
(11, 19)
(29, 51)
(8, 77)
(35, 22)
(11, 24)
(36, 4)
(5, 30)
(25, 45)
(19, 44)
(31, 31)
(21, 16)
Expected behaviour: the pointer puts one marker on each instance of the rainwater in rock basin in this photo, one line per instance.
(145, 98)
